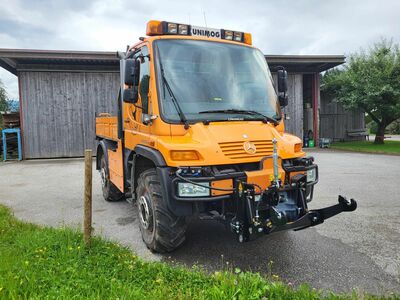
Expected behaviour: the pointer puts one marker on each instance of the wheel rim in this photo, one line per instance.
(145, 213)
(103, 176)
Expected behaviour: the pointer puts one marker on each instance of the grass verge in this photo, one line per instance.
(45, 263)
(390, 147)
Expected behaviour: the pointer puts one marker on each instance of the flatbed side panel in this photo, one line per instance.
(115, 166)
(107, 127)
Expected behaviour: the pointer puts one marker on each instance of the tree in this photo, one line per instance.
(3, 98)
(370, 81)
(3, 102)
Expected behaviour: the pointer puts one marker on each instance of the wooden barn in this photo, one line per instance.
(62, 91)
(338, 124)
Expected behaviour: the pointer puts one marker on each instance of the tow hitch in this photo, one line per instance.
(318, 216)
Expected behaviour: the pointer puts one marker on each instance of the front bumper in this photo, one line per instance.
(170, 180)
(186, 206)
(281, 206)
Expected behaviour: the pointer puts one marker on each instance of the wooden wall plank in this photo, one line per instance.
(336, 121)
(294, 110)
(59, 110)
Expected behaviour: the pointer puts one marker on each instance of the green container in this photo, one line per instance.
(311, 143)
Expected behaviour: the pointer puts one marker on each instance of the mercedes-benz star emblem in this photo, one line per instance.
(249, 147)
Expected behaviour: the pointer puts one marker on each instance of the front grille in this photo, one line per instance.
(235, 150)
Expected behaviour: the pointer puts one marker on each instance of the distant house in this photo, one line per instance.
(13, 105)
(62, 91)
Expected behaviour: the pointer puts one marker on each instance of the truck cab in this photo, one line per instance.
(200, 132)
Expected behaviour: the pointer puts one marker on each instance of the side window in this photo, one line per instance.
(144, 80)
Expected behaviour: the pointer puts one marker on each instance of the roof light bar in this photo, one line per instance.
(167, 28)
(170, 28)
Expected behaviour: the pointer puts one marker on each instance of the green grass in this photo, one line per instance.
(390, 147)
(46, 263)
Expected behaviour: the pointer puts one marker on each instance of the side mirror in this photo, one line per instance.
(131, 71)
(283, 100)
(282, 81)
(282, 87)
(130, 94)
(131, 78)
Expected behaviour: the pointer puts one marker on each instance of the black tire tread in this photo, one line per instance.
(169, 229)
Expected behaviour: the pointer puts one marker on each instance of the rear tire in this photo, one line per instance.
(110, 192)
(161, 230)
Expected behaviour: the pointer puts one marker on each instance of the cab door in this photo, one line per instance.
(136, 132)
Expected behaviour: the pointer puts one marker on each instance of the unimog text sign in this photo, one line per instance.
(206, 32)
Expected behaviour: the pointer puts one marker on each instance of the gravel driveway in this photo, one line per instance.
(353, 250)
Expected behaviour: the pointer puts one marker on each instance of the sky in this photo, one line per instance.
(277, 26)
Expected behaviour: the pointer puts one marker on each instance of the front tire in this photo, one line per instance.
(110, 192)
(161, 230)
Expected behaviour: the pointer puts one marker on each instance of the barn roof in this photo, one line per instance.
(305, 63)
(15, 60)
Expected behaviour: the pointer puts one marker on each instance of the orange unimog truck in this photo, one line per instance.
(199, 132)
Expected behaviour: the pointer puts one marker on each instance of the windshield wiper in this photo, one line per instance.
(265, 119)
(171, 94)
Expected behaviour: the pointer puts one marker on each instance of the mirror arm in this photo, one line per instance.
(148, 119)
(141, 56)
(137, 106)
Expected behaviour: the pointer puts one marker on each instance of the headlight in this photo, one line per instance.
(237, 36)
(228, 35)
(172, 28)
(183, 29)
(312, 175)
(191, 190)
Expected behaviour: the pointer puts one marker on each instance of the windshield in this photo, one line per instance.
(210, 79)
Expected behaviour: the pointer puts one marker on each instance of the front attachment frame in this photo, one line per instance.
(249, 222)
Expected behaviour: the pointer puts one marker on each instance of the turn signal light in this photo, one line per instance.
(298, 147)
(182, 155)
